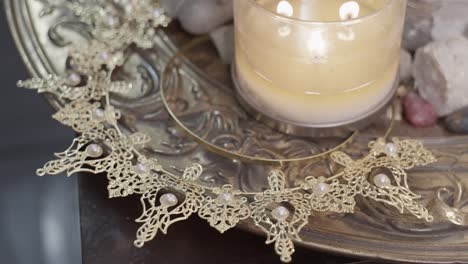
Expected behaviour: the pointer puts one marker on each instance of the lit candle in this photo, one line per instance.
(317, 62)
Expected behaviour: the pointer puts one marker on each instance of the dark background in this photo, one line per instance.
(40, 216)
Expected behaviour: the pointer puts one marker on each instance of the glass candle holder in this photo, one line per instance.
(317, 63)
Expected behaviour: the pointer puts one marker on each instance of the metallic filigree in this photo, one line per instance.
(338, 197)
(168, 196)
(96, 86)
(289, 215)
(226, 210)
(192, 173)
(120, 23)
(396, 158)
(53, 84)
(131, 177)
(83, 115)
(87, 153)
(91, 57)
(159, 215)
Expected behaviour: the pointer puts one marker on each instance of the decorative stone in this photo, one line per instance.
(402, 91)
(321, 188)
(398, 110)
(223, 39)
(73, 79)
(419, 112)
(225, 198)
(406, 65)
(395, 111)
(172, 7)
(391, 149)
(458, 122)
(382, 180)
(199, 16)
(168, 200)
(140, 168)
(94, 151)
(280, 213)
(450, 20)
(440, 73)
(429, 20)
(419, 23)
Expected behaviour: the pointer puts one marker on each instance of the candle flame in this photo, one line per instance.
(317, 44)
(285, 8)
(284, 31)
(349, 10)
(346, 34)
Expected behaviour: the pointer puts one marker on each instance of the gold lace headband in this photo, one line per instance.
(280, 211)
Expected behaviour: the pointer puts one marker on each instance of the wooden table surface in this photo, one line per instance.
(108, 230)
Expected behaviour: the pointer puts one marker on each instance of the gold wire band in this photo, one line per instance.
(230, 154)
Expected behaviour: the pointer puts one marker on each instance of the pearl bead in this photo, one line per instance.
(391, 149)
(321, 188)
(128, 6)
(225, 198)
(99, 114)
(94, 151)
(140, 168)
(104, 56)
(116, 58)
(280, 213)
(168, 200)
(73, 79)
(157, 12)
(112, 21)
(382, 180)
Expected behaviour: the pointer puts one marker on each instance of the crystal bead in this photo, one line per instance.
(168, 200)
(94, 151)
(140, 168)
(280, 213)
(391, 149)
(73, 79)
(321, 188)
(382, 180)
(225, 198)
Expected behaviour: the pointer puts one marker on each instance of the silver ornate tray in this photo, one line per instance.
(204, 101)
